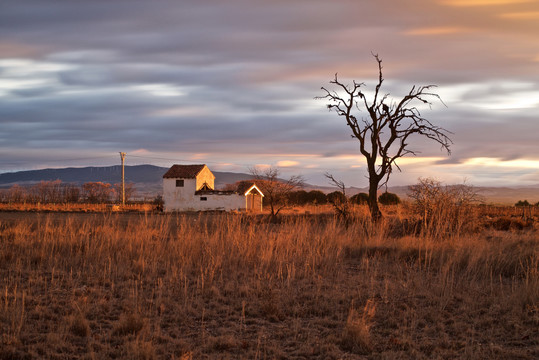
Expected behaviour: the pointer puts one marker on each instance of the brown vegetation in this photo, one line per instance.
(235, 286)
(57, 192)
(77, 207)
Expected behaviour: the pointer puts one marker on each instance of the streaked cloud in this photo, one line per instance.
(497, 162)
(531, 15)
(287, 163)
(467, 3)
(159, 89)
(435, 31)
(232, 83)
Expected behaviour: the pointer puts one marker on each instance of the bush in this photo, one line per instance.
(336, 197)
(79, 326)
(389, 199)
(443, 209)
(302, 197)
(299, 197)
(360, 199)
(317, 197)
(522, 203)
(130, 323)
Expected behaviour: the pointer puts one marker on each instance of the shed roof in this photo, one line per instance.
(184, 171)
(246, 186)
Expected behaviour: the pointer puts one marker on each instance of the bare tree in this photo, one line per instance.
(129, 191)
(341, 203)
(17, 194)
(97, 192)
(71, 193)
(384, 131)
(276, 190)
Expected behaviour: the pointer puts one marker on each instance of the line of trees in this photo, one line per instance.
(280, 193)
(525, 203)
(56, 192)
(317, 197)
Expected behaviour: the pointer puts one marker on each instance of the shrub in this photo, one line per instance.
(78, 325)
(336, 197)
(130, 323)
(443, 209)
(97, 192)
(356, 334)
(359, 199)
(522, 203)
(302, 197)
(389, 199)
(317, 197)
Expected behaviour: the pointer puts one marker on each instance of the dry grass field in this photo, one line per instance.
(232, 286)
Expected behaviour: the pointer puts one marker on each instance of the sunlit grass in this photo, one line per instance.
(235, 286)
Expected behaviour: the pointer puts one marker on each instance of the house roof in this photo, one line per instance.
(184, 171)
(214, 192)
(246, 186)
(254, 187)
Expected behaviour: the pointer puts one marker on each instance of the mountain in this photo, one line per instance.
(109, 174)
(147, 178)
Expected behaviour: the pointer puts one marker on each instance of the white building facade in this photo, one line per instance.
(191, 188)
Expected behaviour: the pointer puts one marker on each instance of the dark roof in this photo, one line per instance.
(183, 171)
(244, 185)
(214, 192)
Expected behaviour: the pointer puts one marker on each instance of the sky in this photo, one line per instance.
(232, 84)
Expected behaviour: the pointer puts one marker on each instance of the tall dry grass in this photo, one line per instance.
(236, 286)
(75, 207)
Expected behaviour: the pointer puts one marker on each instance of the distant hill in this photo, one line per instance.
(148, 182)
(147, 178)
(109, 174)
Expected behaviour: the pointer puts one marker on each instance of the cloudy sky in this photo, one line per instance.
(232, 83)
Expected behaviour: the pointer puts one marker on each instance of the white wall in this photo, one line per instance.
(205, 176)
(175, 196)
(184, 198)
(221, 202)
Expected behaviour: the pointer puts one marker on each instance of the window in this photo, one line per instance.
(179, 183)
(203, 198)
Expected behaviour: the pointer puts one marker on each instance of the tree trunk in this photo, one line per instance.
(376, 214)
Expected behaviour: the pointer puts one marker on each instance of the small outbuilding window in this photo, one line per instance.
(179, 183)
(203, 198)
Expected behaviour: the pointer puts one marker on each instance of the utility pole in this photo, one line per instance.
(122, 156)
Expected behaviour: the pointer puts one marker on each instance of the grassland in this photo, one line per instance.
(213, 286)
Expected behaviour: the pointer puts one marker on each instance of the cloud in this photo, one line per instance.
(467, 3)
(435, 31)
(287, 163)
(531, 15)
(235, 80)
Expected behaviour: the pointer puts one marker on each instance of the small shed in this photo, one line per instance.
(253, 195)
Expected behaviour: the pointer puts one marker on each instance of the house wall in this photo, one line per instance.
(205, 176)
(184, 198)
(174, 197)
(221, 202)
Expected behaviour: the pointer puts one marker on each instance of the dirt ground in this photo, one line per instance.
(221, 286)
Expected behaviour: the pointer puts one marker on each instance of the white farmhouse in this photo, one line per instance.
(191, 188)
